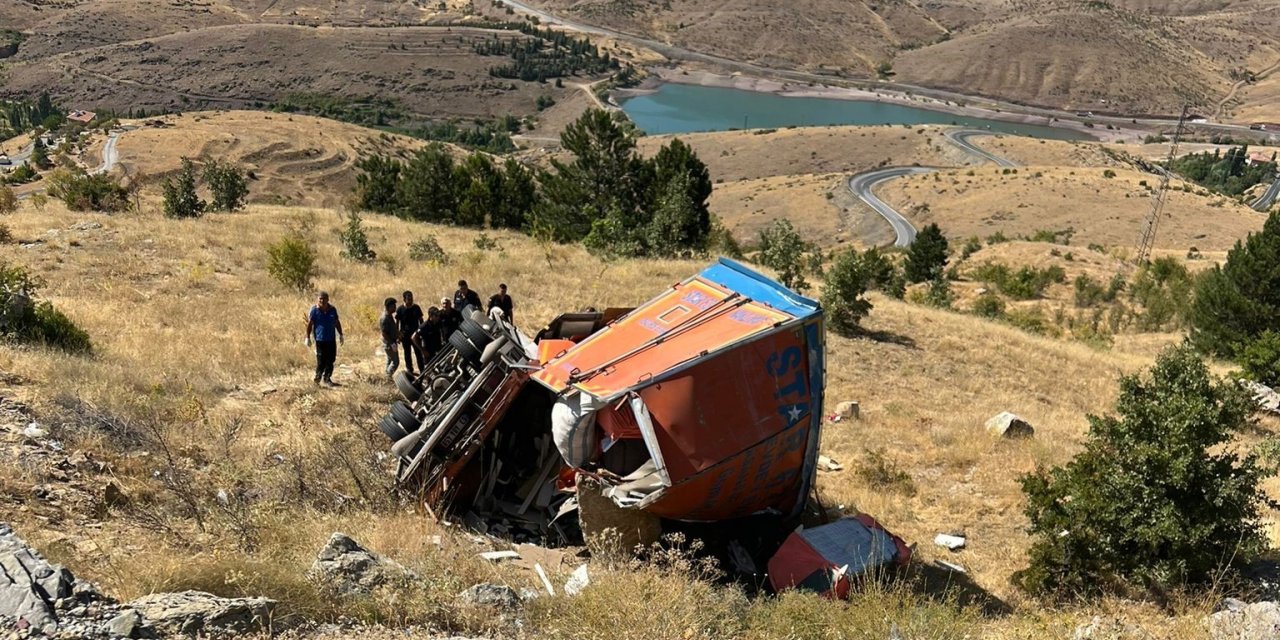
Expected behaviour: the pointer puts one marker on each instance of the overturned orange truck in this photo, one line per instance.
(702, 405)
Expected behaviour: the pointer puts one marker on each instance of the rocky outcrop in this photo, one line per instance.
(1009, 425)
(199, 613)
(491, 595)
(350, 569)
(40, 598)
(1237, 620)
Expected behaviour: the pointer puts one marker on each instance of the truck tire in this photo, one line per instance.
(465, 349)
(403, 414)
(476, 333)
(392, 429)
(407, 387)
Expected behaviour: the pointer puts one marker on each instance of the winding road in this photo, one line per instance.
(110, 157)
(1268, 197)
(863, 184)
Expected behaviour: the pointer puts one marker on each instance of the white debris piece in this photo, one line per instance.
(577, 581)
(495, 556)
(950, 542)
(827, 464)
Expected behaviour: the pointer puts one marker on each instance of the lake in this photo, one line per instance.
(686, 108)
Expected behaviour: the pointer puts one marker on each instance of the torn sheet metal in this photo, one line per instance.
(825, 558)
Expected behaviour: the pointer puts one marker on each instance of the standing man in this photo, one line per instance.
(464, 296)
(503, 301)
(428, 337)
(450, 319)
(390, 329)
(324, 326)
(409, 317)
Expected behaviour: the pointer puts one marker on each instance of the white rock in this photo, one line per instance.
(1008, 425)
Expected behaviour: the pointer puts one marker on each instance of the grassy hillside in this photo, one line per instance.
(198, 348)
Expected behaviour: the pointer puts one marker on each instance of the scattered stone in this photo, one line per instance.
(87, 225)
(125, 625)
(1008, 425)
(1110, 628)
(351, 569)
(113, 495)
(29, 584)
(827, 464)
(848, 410)
(949, 542)
(1265, 398)
(577, 581)
(1257, 621)
(197, 612)
(34, 431)
(491, 595)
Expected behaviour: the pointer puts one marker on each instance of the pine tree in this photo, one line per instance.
(428, 187)
(927, 257)
(677, 161)
(1237, 301)
(180, 198)
(377, 182)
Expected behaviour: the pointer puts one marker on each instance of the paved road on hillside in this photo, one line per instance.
(861, 186)
(110, 157)
(960, 138)
(863, 183)
(1268, 197)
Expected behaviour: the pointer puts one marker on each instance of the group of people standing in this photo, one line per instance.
(423, 335)
(403, 326)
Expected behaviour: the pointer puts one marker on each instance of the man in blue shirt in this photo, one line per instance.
(324, 326)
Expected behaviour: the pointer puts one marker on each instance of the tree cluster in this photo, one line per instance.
(25, 115)
(227, 184)
(84, 192)
(547, 54)
(607, 196)
(433, 187)
(1228, 173)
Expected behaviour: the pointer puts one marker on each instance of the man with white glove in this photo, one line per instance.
(324, 326)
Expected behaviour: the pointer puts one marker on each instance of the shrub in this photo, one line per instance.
(24, 318)
(6, 236)
(1164, 289)
(989, 305)
(927, 257)
(842, 294)
(879, 472)
(426, 249)
(1108, 174)
(883, 274)
(180, 198)
(1153, 501)
(355, 242)
(228, 185)
(292, 261)
(1260, 359)
(936, 294)
(971, 246)
(83, 192)
(8, 200)
(485, 242)
(783, 250)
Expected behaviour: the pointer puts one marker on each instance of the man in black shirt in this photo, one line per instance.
(450, 318)
(409, 316)
(428, 337)
(503, 301)
(464, 296)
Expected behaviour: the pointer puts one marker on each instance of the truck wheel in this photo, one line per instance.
(476, 333)
(403, 414)
(468, 351)
(407, 388)
(392, 429)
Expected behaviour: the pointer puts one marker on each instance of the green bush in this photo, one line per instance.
(1239, 300)
(1027, 283)
(292, 261)
(1260, 359)
(989, 305)
(427, 249)
(180, 198)
(83, 192)
(24, 318)
(783, 250)
(1165, 290)
(228, 185)
(8, 200)
(842, 294)
(1153, 501)
(355, 242)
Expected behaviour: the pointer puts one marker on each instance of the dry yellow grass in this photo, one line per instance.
(749, 206)
(295, 159)
(184, 316)
(1106, 211)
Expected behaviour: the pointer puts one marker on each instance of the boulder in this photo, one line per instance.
(1264, 398)
(848, 410)
(1008, 425)
(1238, 621)
(350, 569)
(29, 584)
(125, 625)
(198, 613)
(491, 595)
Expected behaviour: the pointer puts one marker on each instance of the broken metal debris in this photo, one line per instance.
(824, 559)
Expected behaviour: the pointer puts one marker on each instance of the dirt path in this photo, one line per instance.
(1235, 88)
